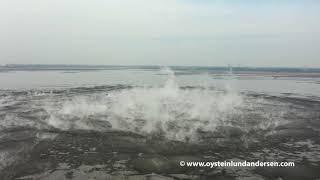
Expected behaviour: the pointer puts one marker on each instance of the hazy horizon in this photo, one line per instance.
(155, 66)
(161, 33)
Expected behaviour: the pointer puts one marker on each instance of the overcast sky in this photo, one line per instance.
(161, 32)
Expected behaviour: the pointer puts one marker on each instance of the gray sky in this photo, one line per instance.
(161, 32)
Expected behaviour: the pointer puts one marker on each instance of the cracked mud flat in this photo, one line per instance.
(265, 128)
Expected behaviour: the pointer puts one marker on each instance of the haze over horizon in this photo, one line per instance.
(161, 32)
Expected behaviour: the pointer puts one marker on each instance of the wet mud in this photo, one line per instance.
(36, 150)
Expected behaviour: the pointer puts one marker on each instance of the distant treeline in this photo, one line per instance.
(36, 67)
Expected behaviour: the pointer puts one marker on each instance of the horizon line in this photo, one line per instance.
(137, 65)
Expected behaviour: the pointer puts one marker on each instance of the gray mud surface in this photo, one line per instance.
(29, 152)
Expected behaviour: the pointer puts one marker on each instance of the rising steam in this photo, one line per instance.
(174, 112)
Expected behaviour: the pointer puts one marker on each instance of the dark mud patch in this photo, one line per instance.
(116, 154)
